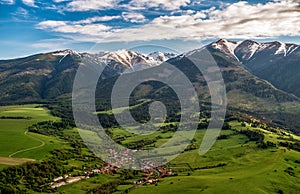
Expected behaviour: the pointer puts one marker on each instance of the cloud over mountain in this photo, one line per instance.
(237, 20)
(82, 23)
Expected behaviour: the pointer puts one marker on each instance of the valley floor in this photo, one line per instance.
(238, 163)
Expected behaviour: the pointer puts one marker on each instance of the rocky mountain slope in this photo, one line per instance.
(276, 62)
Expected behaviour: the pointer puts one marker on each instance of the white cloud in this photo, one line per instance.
(21, 13)
(69, 27)
(9, 2)
(29, 3)
(87, 5)
(97, 19)
(134, 17)
(51, 44)
(59, 1)
(66, 26)
(50, 24)
(238, 20)
(165, 4)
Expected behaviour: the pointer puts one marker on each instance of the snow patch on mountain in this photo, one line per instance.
(65, 52)
(282, 49)
(226, 46)
(132, 58)
(248, 49)
(291, 48)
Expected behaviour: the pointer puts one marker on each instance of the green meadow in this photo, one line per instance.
(121, 109)
(85, 185)
(233, 165)
(254, 172)
(15, 142)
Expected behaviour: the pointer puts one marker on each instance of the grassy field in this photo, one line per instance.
(245, 167)
(121, 109)
(248, 169)
(15, 142)
(233, 165)
(257, 172)
(13, 161)
(87, 184)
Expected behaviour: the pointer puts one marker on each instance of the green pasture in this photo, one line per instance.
(15, 142)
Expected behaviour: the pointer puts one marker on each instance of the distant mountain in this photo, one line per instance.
(131, 61)
(248, 95)
(276, 62)
(254, 53)
(49, 75)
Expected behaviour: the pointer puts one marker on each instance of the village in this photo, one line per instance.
(151, 172)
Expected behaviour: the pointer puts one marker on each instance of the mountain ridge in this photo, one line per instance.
(49, 69)
(275, 62)
(234, 48)
(49, 77)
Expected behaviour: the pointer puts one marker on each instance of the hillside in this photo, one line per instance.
(244, 151)
(276, 62)
(247, 94)
(257, 141)
(48, 77)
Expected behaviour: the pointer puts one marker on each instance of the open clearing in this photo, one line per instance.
(14, 161)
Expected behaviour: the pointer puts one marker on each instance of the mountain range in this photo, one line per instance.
(49, 75)
(276, 62)
(261, 79)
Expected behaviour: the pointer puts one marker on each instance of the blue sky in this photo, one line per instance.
(34, 26)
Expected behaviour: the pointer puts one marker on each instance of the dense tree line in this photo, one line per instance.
(50, 128)
(289, 145)
(31, 175)
(106, 188)
(17, 118)
(253, 135)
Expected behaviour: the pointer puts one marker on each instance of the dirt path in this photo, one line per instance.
(28, 149)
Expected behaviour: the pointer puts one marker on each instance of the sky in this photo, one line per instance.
(34, 26)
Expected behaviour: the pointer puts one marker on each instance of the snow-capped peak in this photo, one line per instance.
(246, 50)
(281, 49)
(131, 61)
(133, 58)
(226, 46)
(122, 56)
(161, 57)
(127, 58)
(65, 52)
(158, 56)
